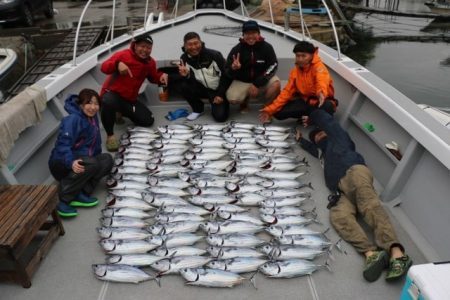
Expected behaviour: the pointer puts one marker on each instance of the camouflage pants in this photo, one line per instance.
(358, 196)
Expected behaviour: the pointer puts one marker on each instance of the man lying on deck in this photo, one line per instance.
(347, 176)
(309, 85)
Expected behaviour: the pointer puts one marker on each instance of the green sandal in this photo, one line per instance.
(375, 264)
(398, 267)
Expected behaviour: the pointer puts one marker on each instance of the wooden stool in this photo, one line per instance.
(24, 211)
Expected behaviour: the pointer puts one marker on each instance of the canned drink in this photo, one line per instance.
(163, 93)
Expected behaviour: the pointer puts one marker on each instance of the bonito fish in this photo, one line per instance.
(211, 277)
(175, 264)
(120, 273)
(133, 259)
(289, 268)
(212, 227)
(238, 264)
(234, 240)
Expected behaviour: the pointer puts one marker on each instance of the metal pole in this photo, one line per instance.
(176, 9)
(338, 45)
(78, 32)
(301, 17)
(145, 14)
(224, 4)
(113, 19)
(271, 12)
(242, 7)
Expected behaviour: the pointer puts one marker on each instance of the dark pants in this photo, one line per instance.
(71, 184)
(194, 92)
(298, 108)
(137, 112)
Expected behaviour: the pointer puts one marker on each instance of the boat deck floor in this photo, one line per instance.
(66, 272)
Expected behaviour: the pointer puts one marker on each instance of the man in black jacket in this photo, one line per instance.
(252, 65)
(348, 177)
(203, 76)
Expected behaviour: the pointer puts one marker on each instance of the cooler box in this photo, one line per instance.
(427, 282)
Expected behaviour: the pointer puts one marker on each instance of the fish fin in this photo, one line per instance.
(310, 186)
(252, 279)
(327, 265)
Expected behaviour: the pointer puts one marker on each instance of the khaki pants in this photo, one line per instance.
(238, 90)
(359, 196)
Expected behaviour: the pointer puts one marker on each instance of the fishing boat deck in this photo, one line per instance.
(66, 272)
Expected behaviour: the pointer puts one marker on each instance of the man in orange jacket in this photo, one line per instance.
(310, 80)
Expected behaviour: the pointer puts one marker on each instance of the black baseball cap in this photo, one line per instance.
(250, 25)
(144, 38)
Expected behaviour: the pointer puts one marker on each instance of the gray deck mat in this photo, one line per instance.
(66, 272)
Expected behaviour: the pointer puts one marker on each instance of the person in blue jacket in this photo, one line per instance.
(351, 182)
(77, 161)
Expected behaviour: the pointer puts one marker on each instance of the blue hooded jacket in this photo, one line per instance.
(337, 148)
(78, 135)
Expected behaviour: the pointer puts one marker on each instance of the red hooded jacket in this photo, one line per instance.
(124, 85)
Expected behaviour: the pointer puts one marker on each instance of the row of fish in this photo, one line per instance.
(170, 182)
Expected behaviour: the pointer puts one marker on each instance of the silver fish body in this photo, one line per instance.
(280, 174)
(234, 240)
(120, 273)
(212, 227)
(178, 251)
(123, 222)
(246, 217)
(288, 268)
(118, 202)
(285, 219)
(127, 246)
(168, 182)
(172, 217)
(126, 184)
(167, 159)
(179, 239)
(280, 202)
(211, 277)
(174, 227)
(284, 252)
(133, 259)
(175, 191)
(175, 264)
(224, 207)
(237, 265)
(280, 230)
(125, 212)
(213, 199)
(250, 199)
(159, 200)
(311, 241)
(284, 210)
(195, 191)
(185, 209)
(282, 193)
(123, 233)
(282, 183)
(233, 252)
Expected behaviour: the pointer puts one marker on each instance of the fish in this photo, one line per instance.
(212, 227)
(237, 135)
(250, 199)
(215, 181)
(282, 193)
(212, 278)
(161, 199)
(280, 230)
(245, 140)
(123, 222)
(141, 178)
(240, 146)
(168, 182)
(284, 252)
(120, 273)
(146, 130)
(284, 210)
(126, 184)
(137, 194)
(238, 264)
(133, 259)
(175, 264)
(195, 191)
(248, 126)
(206, 127)
(232, 252)
(204, 156)
(179, 251)
(312, 241)
(170, 218)
(127, 246)
(273, 137)
(275, 128)
(123, 233)
(285, 219)
(169, 141)
(289, 166)
(164, 170)
(185, 209)
(224, 207)
(174, 227)
(208, 150)
(125, 212)
(239, 216)
(234, 240)
(284, 183)
(244, 170)
(181, 136)
(280, 202)
(124, 163)
(280, 174)
(289, 268)
(175, 239)
(119, 202)
(206, 143)
(273, 144)
(166, 159)
(213, 199)
(174, 191)
(215, 164)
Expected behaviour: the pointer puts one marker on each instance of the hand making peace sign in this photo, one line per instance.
(236, 64)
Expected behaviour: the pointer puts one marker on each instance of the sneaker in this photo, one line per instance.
(84, 201)
(375, 264)
(193, 116)
(243, 108)
(398, 267)
(66, 211)
(112, 145)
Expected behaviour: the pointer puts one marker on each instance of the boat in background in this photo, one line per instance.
(7, 59)
(439, 7)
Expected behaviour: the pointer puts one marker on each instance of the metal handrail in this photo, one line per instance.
(336, 37)
(112, 21)
(271, 13)
(145, 14)
(302, 24)
(78, 32)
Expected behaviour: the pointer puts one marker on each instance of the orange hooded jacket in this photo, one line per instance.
(307, 82)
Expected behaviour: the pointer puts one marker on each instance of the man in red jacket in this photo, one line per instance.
(127, 70)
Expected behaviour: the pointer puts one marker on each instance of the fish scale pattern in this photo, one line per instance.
(208, 202)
